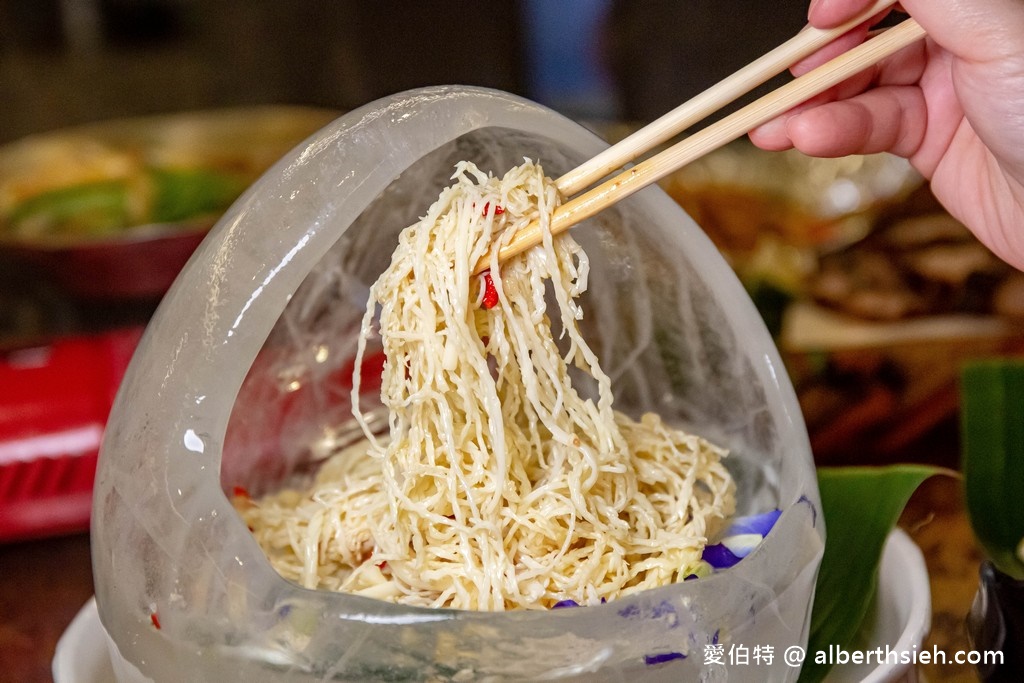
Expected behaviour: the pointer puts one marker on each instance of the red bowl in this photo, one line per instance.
(141, 266)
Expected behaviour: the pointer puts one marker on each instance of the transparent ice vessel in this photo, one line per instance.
(241, 380)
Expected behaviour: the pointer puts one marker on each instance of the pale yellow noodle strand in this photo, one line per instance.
(498, 485)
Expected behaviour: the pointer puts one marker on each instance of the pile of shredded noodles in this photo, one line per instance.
(499, 486)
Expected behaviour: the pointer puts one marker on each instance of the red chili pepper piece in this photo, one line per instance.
(155, 619)
(498, 209)
(241, 491)
(490, 299)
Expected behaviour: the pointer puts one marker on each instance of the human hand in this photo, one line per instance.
(952, 104)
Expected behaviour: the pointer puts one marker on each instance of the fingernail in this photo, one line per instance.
(774, 128)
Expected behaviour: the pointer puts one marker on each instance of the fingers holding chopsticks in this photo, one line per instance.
(828, 13)
(974, 30)
(953, 105)
(974, 47)
(824, 126)
(877, 120)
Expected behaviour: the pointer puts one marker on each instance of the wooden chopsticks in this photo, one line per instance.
(716, 135)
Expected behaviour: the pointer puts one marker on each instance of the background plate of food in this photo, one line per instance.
(114, 209)
(874, 293)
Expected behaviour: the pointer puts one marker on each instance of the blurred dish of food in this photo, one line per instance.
(741, 195)
(876, 344)
(774, 213)
(918, 265)
(875, 294)
(114, 209)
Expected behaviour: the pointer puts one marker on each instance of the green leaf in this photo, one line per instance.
(771, 301)
(861, 506)
(992, 417)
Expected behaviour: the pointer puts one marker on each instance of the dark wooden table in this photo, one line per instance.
(44, 583)
(935, 519)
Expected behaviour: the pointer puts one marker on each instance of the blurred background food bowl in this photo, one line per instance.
(874, 293)
(773, 214)
(113, 210)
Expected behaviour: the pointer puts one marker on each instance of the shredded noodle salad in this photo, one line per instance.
(499, 486)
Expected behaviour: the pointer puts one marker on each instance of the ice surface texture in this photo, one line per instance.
(239, 380)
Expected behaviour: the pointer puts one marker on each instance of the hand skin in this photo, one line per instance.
(952, 104)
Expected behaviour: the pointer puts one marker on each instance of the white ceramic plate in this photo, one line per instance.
(82, 655)
(901, 619)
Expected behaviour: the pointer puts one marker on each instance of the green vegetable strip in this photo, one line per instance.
(89, 208)
(180, 194)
